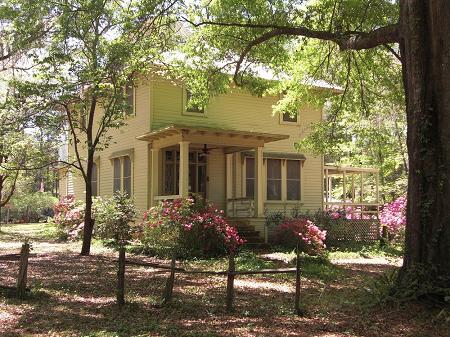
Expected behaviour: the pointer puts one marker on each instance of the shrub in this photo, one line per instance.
(301, 232)
(112, 219)
(69, 216)
(192, 227)
(393, 216)
(35, 206)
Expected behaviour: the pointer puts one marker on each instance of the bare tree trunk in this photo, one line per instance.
(88, 221)
(121, 277)
(425, 49)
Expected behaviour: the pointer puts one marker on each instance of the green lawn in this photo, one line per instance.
(75, 296)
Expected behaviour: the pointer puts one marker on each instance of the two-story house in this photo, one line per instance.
(235, 152)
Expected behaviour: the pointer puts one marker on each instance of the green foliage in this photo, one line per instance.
(364, 116)
(39, 205)
(113, 217)
(189, 227)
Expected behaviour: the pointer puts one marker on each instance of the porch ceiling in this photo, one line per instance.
(204, 135)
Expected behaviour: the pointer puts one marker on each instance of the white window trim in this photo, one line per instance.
(191, 113)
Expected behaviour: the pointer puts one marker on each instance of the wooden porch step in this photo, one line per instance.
(247, 231)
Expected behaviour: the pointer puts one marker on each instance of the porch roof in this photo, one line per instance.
(200, 134)
(338, 170)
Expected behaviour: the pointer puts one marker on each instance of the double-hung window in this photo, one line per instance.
(122, 174)
(130, 99)
(94, 180)
(293, 179)
(274, 179)
(250, 177)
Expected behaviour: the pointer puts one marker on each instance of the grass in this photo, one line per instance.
(75, 296)
(364, 250)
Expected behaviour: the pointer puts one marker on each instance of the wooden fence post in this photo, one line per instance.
(168, 291)
(230, 282)
(297, 284)
(23, 270)
(121, 277)
(384, 236)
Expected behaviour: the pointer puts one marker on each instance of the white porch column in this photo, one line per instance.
(154, 187)
(259, 193)
(184, 169)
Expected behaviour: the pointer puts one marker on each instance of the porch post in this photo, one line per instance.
(184, 169)
(154, 187)
(259, 195)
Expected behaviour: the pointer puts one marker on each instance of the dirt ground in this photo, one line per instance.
(75, 296)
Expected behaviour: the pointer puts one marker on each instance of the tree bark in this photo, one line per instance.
(88, 221)
(425, 49)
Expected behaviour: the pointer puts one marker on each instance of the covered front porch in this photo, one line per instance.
(187, 159)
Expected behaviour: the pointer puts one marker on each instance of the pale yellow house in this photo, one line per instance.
(235, 152)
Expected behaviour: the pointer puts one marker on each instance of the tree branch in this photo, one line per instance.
(349, 40)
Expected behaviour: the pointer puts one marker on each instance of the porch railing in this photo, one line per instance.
(240, 207)
(354, 210)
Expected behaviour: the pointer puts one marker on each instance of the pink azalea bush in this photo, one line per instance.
(303, 232)
(393, 215)
(191, 226)
(69, 216)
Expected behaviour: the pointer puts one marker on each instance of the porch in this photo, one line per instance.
(186, 159)
(354, 190)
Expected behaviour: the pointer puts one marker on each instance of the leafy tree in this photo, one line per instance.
(91, 51)
(244, 35)
(25, 150)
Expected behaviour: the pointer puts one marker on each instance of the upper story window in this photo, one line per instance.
(130, 92)
(122, 175)
(287, 118)
(191, 109)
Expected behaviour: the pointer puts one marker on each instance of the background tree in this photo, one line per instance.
(243, 35)
(28, 147)
(92, 51)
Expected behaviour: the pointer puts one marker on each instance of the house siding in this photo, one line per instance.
(159, 103)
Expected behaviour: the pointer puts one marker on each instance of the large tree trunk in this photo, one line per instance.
(425, 48)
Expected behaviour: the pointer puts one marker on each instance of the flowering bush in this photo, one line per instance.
(191, 226)
(69, 216)
(349, 213)
(303, 232)
(113, 217)
(393, 215)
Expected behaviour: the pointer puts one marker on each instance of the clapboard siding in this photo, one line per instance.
(159, 103)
